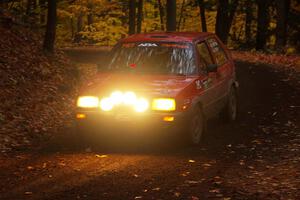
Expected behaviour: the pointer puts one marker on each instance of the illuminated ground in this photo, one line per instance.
(258, 157)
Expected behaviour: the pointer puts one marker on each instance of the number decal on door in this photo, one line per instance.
(198, 84)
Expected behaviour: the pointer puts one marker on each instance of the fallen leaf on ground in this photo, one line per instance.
(62, 164)
(184, 174)
(101, 156)
(29, 167)
(156, 189)
(191, 182)
(214, 191)
(28, 193)
(177, 194)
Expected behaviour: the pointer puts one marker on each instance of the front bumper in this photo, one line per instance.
(102, 122)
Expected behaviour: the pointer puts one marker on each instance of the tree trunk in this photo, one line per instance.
(30, 17)
(30, 6)
(231, 14)
(221, 19)
(262, 24)
(225, 15)
(132, 11)
(140, 16)
(282, 7)
(90, 12)
(72, 28)
(181, 15)
(42, 4)
(183, 22)
(248, 21)
(51, 27)
(171, 15)
(202, 15)
(162, 15)
(90, 19)
(77, 37)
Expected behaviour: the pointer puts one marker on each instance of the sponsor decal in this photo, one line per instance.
(147, 45)
(170, 45)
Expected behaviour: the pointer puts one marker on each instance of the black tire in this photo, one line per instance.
(196, 127)
(229, 113)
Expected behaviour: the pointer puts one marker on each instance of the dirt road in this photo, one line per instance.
(258, 157)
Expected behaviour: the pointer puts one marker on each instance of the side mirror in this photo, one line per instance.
(212, 68)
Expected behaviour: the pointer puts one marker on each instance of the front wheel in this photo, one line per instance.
(196, 127)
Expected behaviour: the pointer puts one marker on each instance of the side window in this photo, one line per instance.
(205, 57)
(218, 51)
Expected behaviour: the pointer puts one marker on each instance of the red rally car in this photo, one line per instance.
(174, 81)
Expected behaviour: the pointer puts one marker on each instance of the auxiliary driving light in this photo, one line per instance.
(141, 105)
(88, 102)
(116, 97)
(106, 104)
(128, 99)
(164, 104)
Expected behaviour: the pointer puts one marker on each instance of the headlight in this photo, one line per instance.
(164, 104)
(88, 102)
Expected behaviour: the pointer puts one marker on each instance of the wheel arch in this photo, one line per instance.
(197, 103)
(200, 105)
(235, 84)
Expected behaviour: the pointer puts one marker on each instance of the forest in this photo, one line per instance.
(264, 25)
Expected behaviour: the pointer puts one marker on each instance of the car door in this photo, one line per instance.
(223, 70)
(208, 80)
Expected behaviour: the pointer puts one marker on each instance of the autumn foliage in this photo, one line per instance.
(36, 90)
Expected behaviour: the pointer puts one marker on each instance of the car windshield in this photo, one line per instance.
(154, 58)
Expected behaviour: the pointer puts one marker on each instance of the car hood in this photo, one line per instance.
(150, 85)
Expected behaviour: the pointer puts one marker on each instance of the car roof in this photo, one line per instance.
(167, 37)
